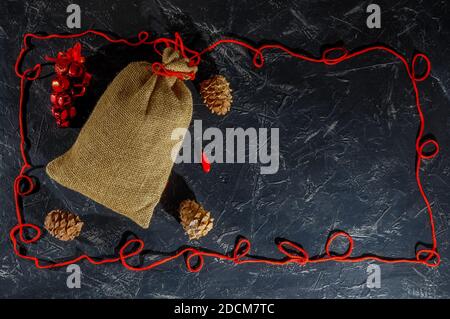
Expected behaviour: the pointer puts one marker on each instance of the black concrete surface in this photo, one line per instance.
(347, 155)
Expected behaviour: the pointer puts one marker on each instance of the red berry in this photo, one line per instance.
(73, 112)
(61, 67)
(59, 122)
(64, 124)
(64, 99)
(57, 115)
(60, 84)
(60, 99)
(76, 70)
(64, 115)
(54, 98)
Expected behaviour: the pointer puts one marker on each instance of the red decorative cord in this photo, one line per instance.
(293, 253)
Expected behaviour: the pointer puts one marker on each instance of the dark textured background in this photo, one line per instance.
(347, 149)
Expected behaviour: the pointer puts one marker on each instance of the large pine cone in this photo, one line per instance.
(196, 221)
(63, 225)
(216, 93)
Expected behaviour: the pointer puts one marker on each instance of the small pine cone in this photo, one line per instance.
(216, 93)
(63, 225)
(196, 221)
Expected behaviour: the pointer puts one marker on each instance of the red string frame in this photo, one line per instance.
(194, 257)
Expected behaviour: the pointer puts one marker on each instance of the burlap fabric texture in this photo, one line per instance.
(122, 156)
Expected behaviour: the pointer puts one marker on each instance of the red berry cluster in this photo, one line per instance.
(69, 83)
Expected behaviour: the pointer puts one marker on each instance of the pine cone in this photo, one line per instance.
(216, 93)
(63, 225)
(196, 221)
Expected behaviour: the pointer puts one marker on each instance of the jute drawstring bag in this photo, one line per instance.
(122, 156)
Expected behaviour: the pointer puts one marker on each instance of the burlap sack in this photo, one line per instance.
(122, 156)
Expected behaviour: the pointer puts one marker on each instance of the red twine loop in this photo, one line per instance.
(414, 63)
(178, 45)
(123, 256)
(26, 182)
(431, 259)
(241, 249)
(258, 59)
(143, 37)
(332, 61)
(159, 69)
(330, 240)
(428, 155)
(301, 256)
(24, 185)
(194, 266)
(36, 70)
(20, 228)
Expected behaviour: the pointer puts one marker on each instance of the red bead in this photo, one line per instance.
(54, 98)
(56, 113)
(60, 84)
(60, 99)
(64, 115)
(72, 112)
(76, 70)
(61, 67)
(64, 124)
(64, 99)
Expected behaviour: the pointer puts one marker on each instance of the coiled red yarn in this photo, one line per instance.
(293, 253)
